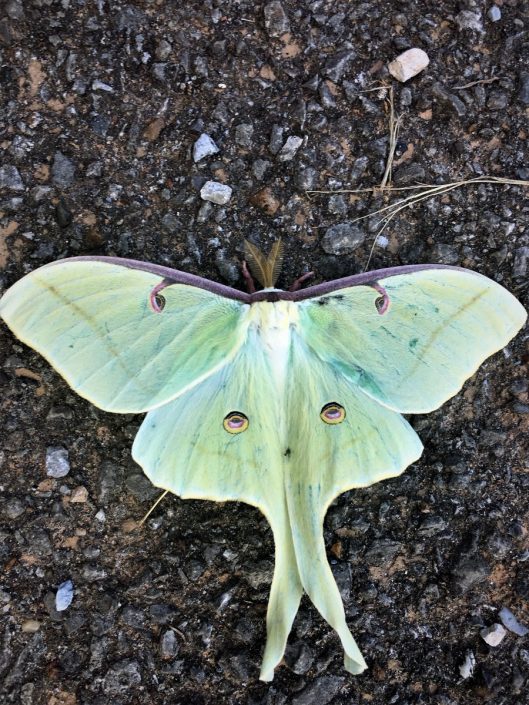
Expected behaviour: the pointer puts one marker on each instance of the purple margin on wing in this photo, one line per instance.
(178, 277)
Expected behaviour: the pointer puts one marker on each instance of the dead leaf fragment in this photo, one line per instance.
(153, 129)
(36, 76)
(265, 201)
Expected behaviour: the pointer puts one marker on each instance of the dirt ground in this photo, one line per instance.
(101, 106)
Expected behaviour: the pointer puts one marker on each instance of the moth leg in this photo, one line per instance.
(250, 284)
(299, 281)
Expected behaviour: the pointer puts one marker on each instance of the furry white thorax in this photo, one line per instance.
(273, 323)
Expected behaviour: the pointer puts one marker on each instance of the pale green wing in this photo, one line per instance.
(372, 443)
(183, 447)
(93, 321)
(440, 326)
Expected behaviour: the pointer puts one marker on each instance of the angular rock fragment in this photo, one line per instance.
(408, 64)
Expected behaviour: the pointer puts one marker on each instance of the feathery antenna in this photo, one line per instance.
(265, 268)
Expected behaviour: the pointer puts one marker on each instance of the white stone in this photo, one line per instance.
(408, 64)
(215, 193)
(494, 14)
(64, 596)
(57, 462)
(493, 635)
(204, 147)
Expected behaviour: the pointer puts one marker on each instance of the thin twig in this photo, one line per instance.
(393, 133)
(475, 83)
(153, 507)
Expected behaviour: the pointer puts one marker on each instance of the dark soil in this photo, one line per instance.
(101, 105)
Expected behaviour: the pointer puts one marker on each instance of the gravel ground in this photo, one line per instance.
(102, 106)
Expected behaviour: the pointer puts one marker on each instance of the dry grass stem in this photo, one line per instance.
(153, 507)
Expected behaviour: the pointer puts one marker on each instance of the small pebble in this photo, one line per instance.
(342, 238)
(467, 667)
(30, 626)
(62, 170)
(79, 495)
(408, 64)
(243, 135)
(523, 95)
(10, 178)
(276, 20)
(494, 14)
(469, 20)
(216, 193)
(493, 635)
(204, 147)
(289, 149)
(512, 624)
(169, 645)
(57, 462)
(64, 596)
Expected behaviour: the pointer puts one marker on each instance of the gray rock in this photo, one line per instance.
(276, 139)
(326, 97)
(205, 210)
(62, 170)
(276, 20)
(498, 100)
(13, 508)
(162, 614)
(410, 174)
(163, 50)
(342, 575)
(121, 677)
(259, 168)
(523, 94)
(140, 487)
(467, 667)
(320, 691)
(337, 204)
(443, 253)
(57, 462)
(299, 657)
(133, 616)
(494, 14)
(94, 169)
(337, 64)
(215, 192)
(469, 20)
(289, 149)
(359, 166)
(227, 268)
(493, 635)
(305, 179)
(261, 574)
(243, 135)
(170, 223)
(169, 645)
(449, 99)
(110, 482)
(64, 596)
(14, 9)
(204, 147)
(469, 572)
(10, 178)
(382, 552)
(343, 238)
(521, 262)
(513, 625)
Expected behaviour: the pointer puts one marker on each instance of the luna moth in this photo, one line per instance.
(280, 399)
